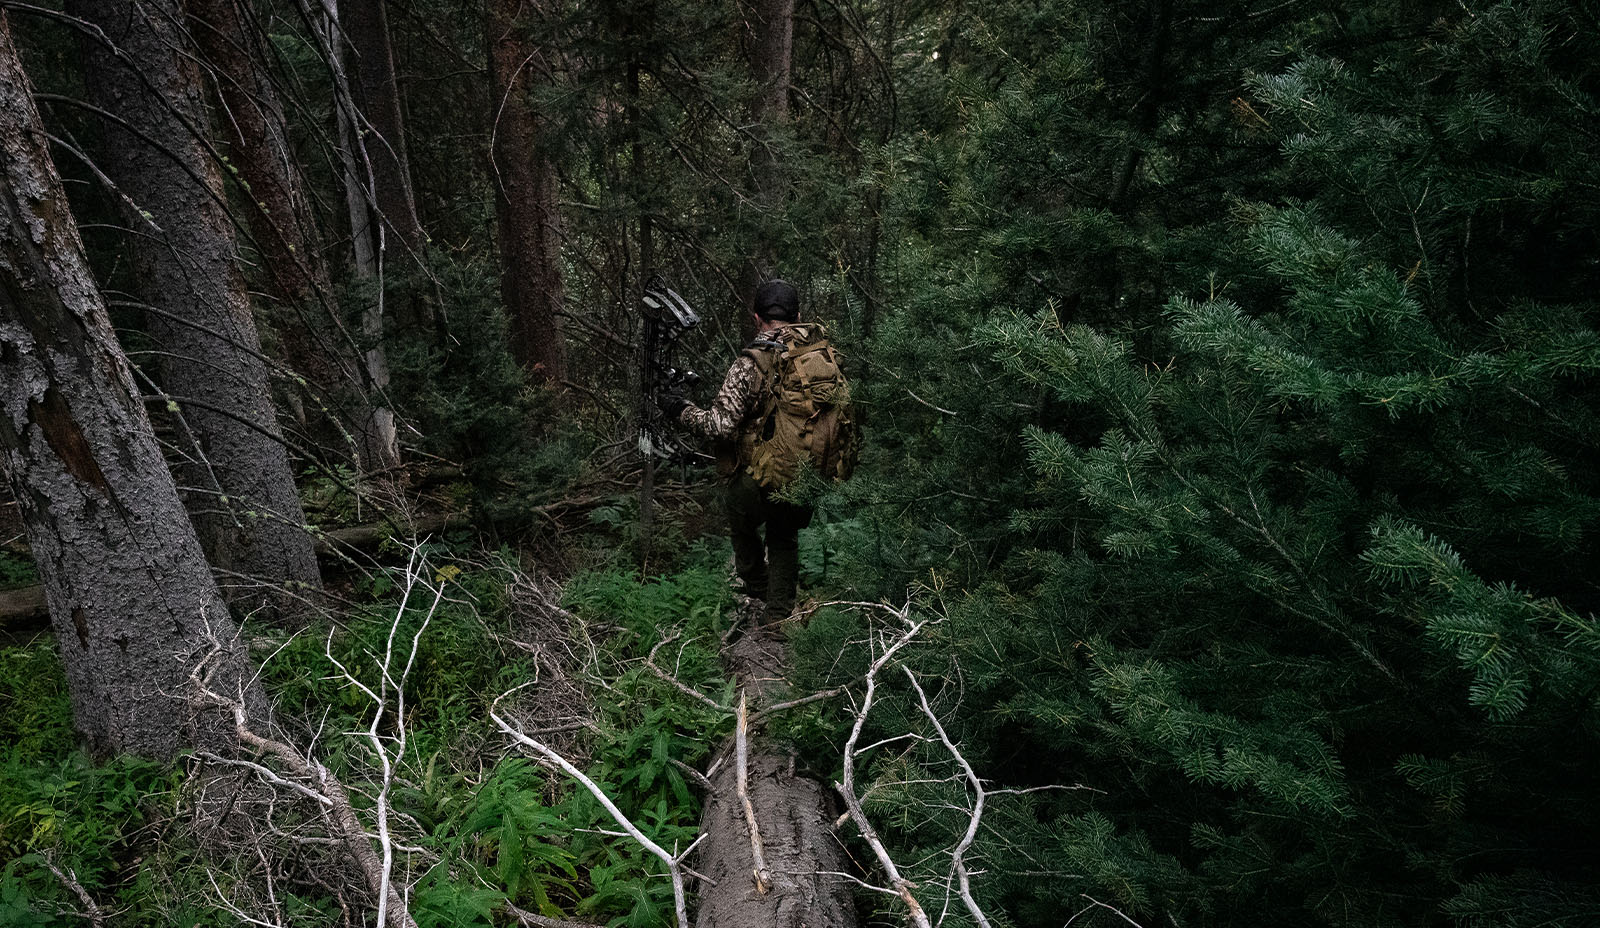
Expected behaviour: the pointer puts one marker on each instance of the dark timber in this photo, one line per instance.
(525, 187)
(129, 592)
(238, 486)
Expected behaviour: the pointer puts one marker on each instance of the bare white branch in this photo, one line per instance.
(674, 871)
(847, 787)
(956, 862)
(741, 738)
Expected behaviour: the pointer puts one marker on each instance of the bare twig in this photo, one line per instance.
(684, 688)
(957, 864)
(847, 786)
(304, 775)
(535, 920)
(762, 875)
(1096, 902)
(69, 879)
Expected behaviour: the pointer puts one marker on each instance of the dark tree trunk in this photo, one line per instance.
(771, 36)
(285, 228)
(525, 193)
(365, 24)
(129, 592)
(384, 217)
(239, 489)
(772, 51)
(253, 125)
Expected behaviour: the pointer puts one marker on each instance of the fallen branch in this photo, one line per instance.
(26, 603)
(679, 685)
(535, 920)
(1093, 902)
(311, 779)
(963, 878)
(69, 879)
(674, 870)
(762, 875)
(847, 788)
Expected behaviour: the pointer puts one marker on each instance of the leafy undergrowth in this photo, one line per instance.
(486, 825)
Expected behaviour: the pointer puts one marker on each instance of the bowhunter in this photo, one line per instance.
(783, 408)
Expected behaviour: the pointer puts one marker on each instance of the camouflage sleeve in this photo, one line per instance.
(734, 401)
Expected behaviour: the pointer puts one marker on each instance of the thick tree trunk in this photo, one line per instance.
(365, 24)
(239, 489)
(285, 228)
(134, 605)
(525, 193)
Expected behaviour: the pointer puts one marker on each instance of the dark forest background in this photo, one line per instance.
(1228, 379)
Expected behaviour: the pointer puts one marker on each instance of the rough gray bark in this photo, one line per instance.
(284, 228)
(238, 487)
(529, 224)
(793, 814)
(252, 123)
(129, 592)
(799, 844)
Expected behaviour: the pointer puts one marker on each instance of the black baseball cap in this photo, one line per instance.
(777, 299)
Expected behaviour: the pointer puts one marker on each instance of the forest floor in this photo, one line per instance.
(552, 632)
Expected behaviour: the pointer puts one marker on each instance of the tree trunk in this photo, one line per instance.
(365, 24)
(525, 193)
(771, 27)
(253, 125)
(285, 228)
(134, 605)
(238, 486)
(378, 440)
(803, 857)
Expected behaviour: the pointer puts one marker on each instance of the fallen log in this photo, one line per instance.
(769, 856)
(370, 536)
(19, 606)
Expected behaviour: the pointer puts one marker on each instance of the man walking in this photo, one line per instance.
(735, 423)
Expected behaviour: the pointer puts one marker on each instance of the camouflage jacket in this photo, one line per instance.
(735, 402)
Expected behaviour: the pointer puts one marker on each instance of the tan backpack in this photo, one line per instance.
(804, 416)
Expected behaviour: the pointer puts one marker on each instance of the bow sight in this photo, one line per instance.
(666, 317)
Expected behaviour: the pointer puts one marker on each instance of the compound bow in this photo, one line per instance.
(666, 317)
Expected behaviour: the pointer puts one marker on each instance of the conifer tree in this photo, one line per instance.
(1294, 568)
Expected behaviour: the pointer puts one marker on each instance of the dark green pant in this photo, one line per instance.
(770, 569)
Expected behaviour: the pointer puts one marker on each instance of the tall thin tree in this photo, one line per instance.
(285, 229)
(365, 26)
(769, 25)
(525, 190)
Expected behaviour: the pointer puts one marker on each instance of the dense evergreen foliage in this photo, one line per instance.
(1229, 381)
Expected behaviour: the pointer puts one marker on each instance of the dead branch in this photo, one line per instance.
(299, 772)
(679, 685)
(69, 879)
(535, 920)
(26, 603)
(1093, 902)
(674, 870)
(847, 788)
(762, 875)
(957, 864)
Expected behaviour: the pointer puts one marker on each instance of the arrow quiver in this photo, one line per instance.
(666, 317)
